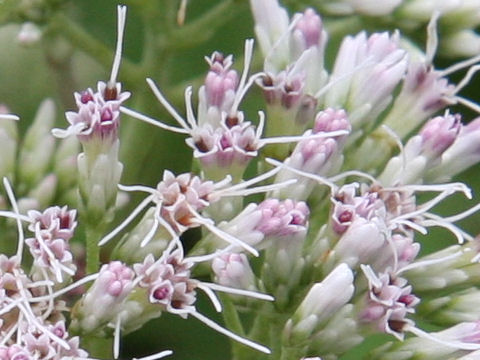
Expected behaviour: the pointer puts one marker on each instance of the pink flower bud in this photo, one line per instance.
(439, 133)
(310, 27)
(283, 218)
(233, 270)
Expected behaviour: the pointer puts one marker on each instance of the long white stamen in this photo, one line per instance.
(317, 178)
(31, 318)
(6, 337)
(357, 173)
(76, 129)
(228, 333)
(142, 188)
(296, 18)
(182, 10)
(153, 122)
(188, 104)
(122, 15)
(127, 221)
(223, 235)
(468, 103)
(459, 66)
(209, 257)
(13, 201)
(289, 139)
(421, 229)
(252, 181)
(12, 215)
(13, 303)
(457, 232)
(65, 290)
(241, 89)
(156, 356)
(50, 308)
(39, 284)
(372, 278)
(236, 291)
(167, 226)
(166, 105)
(261, 124)
(260, 189)
(241, 93)
(211, 295)
(424, 207)
(116, 338)
(222, 183)
(424, 263)
(432, 38)
(53, 260)
(151, 232)
(466, 79)
(454, 344)
(463, 215)
(453, 187)
(9, 117)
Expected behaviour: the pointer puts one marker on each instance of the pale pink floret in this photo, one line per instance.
(389, 302)
(14, 352)
(98, 113)
(285, 88)
(179, 195)
(366, 71)
(59, 222)
(233, 269)
(225, 147)
(168, 281)
(49, 247)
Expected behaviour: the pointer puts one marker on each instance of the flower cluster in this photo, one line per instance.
(308, 218)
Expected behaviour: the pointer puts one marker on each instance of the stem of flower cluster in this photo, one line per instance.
(92, 236)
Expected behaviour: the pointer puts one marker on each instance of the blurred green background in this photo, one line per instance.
(55, 69)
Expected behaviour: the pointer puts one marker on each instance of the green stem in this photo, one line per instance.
(87, 43)
(204, 27)
(92, 236)
(98, 347)
(233, 323)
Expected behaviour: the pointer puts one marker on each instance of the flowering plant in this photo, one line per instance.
(301, 222)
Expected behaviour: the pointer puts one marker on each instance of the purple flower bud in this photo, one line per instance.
(331, 120)
(103, 300)
(439, 133)
(221, 82)
(309, 28)
(463, 153)
(283, 218)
